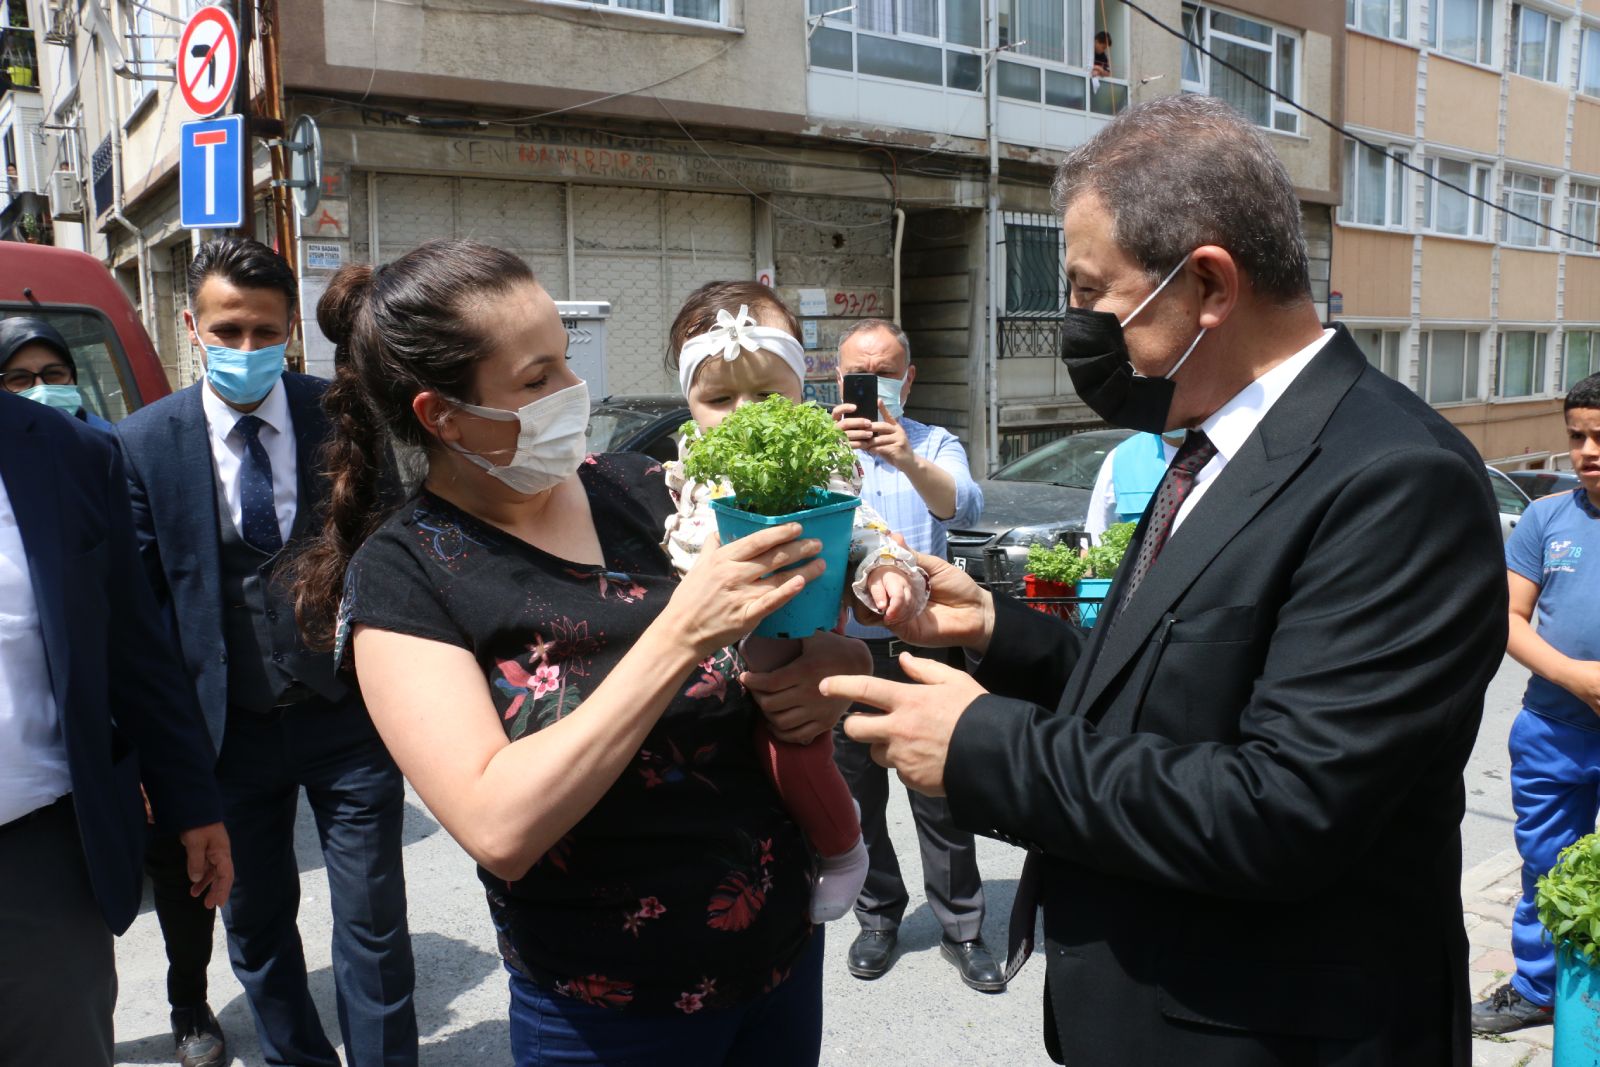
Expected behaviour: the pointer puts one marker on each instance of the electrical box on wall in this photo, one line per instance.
(585, 321)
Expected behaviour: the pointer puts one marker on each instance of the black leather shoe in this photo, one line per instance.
(871, 953)
(978, 969)
(1506, 1010)
(199, 1038)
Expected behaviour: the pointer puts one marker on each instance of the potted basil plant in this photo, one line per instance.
(1568, 899)
(778, 457)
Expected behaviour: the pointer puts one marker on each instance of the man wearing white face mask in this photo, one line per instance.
(226, 482)
(916, 477)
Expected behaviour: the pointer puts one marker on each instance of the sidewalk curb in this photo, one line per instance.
(1496, 868)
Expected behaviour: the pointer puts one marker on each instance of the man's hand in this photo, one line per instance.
(886, 439)
(790, 697)
(856, 426)
(960, 612)
(913, 734)
(210, 863)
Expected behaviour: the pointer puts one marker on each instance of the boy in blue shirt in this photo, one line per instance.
(1553, 565)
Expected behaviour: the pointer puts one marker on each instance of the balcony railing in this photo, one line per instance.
(19, 59)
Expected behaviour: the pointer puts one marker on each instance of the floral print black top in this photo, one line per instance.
(686, 887)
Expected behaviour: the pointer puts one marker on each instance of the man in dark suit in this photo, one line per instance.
(93, 700)
(226, 481)
(1242, 792)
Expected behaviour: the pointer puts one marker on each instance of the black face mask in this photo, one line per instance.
(1096, 355)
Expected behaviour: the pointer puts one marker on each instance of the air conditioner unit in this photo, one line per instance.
(66, 196)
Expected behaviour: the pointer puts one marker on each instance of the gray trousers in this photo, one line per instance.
(949, 855)
(58, 976)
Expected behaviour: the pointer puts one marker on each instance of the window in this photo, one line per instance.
(1582, 357)
(141, 45)
(1532, 197)
(1535, 44)
(901, 39)
(1448, 207)
(1589, 63)
(1522, 363)
(1034, 255)
(1268, 55)
(1046, 29)
(102, 366)
(1464, 28)
(1381, 18)
(1584, 199)
(1374, 186)
(698, 10)
(1382, 348)
(1447, 367)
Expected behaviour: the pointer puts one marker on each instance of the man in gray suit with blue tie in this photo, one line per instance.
(225, 481)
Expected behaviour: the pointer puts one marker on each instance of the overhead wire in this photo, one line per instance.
(1190, 42)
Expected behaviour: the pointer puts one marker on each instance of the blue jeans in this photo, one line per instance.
(1555, 788)
(358, 799)
(782, 1028)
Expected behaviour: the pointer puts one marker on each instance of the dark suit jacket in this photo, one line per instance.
(1248, 789)
(127, 711)
(171, 475)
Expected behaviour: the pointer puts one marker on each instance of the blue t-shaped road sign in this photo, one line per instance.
(211, 174)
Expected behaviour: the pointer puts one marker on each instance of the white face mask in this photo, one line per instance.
(551, 441)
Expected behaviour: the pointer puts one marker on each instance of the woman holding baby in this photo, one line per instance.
(567, 702)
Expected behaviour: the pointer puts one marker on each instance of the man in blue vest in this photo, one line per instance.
(226, 485)
(1127, 480)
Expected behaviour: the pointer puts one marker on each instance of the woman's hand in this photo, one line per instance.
(733, 587)
(959, 613)
(789, 697)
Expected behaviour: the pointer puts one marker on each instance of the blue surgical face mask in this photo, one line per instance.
(61, 397)
(244, 377)
(889, 390)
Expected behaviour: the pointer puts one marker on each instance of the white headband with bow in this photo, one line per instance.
(734, 334)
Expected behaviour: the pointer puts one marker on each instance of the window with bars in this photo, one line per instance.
(1581, 357)
(1532, 197)
(1535, 43)
(1269, 55)
(1522, 363)
(1034, 251)
(1381, 18)
(1447, 366)
(1464, 29)
(1375, 185)
(1449, 208)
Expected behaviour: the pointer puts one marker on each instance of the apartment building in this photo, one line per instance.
(1487, 304)
(883, 158)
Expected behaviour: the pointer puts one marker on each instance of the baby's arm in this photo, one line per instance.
(691, 523)
(887, 575)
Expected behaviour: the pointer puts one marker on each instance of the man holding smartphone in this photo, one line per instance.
(916, 476)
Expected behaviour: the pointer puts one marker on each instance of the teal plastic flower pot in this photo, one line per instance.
(1577, 1008)
(1089, 610)
(830, 521)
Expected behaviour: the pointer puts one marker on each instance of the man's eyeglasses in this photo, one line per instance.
(17, 381)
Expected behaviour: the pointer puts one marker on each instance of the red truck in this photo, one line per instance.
(118, 369)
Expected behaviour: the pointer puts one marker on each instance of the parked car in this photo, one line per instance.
(646, 423)
(118, 369)
(1511, 500)
(1042, 496)
(1544, 483)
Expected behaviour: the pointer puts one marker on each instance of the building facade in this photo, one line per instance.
(890, 158)
(1475, 278)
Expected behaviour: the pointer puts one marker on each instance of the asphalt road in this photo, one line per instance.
(918, 1013)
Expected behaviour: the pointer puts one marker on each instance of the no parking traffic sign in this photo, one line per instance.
(208, 60)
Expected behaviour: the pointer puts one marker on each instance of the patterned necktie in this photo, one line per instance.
(258, 512)
(1175, 487)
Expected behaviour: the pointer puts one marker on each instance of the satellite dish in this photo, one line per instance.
(304, 147)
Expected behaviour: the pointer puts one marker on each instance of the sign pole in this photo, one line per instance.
(242, 105)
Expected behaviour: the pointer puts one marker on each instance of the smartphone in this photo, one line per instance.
(862, 391)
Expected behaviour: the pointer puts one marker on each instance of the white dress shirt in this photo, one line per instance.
(227, 453)
(1233, 423)
(33, 751)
